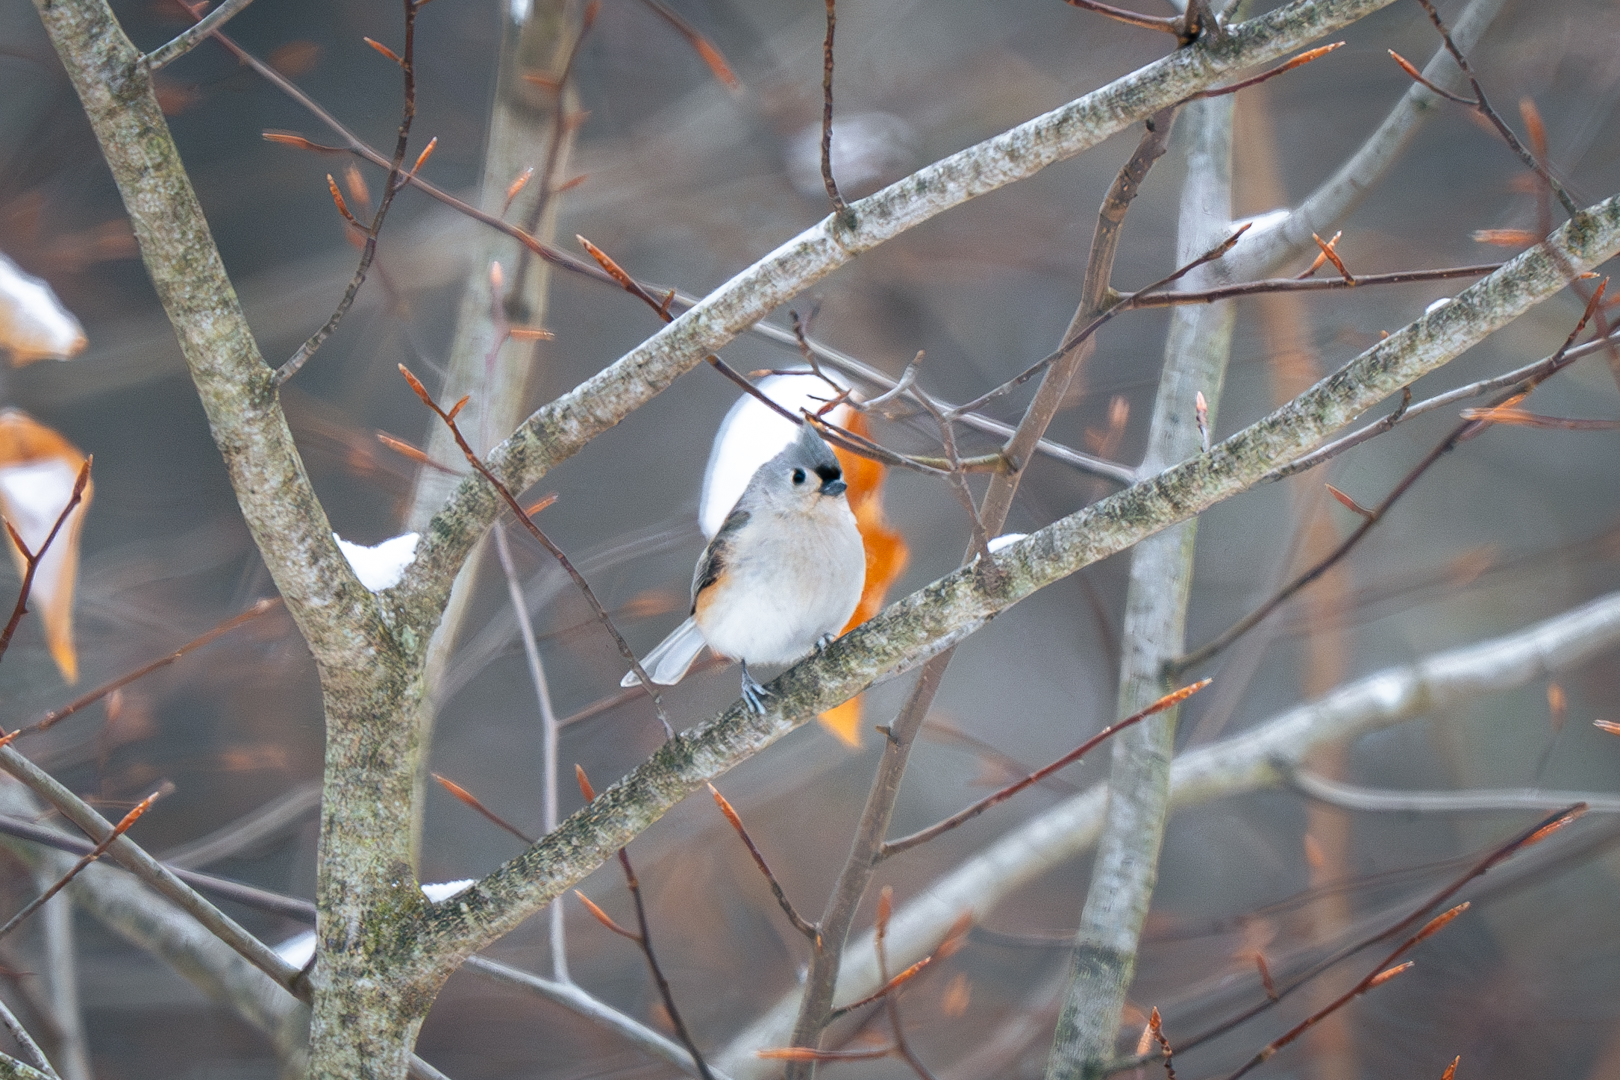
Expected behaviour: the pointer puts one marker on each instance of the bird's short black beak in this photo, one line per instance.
(835, 486)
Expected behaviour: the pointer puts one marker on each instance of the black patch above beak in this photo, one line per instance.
(832, 479)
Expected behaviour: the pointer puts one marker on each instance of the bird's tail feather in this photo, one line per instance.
(670, 661)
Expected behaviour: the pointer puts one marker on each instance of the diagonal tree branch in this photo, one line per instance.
(942, 614)
(565, 426)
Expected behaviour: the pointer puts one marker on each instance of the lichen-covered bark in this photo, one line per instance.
(369, 671)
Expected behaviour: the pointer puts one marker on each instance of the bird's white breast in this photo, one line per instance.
(790, 580)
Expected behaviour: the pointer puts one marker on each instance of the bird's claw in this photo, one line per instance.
(754, 693)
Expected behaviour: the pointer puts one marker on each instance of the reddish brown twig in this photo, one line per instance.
(803, 926)
(602, 616)
(1169, 24)
(1387, 969)
(644, 940)
(31, 558)
(839, 209)
(1306, 283)
(368, 252)
(1458, 435)
(1510, 416)
(1485, 109)
(1533, 835)
(468, 798)
(102, 691)
(1156, 1029)
(905, 843)
(700, 44)
(1298, 61)
(1125, 303)
(1264, 970)
(560, 130)
(89, 857)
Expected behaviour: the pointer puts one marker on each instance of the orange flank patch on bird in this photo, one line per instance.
(886, 559)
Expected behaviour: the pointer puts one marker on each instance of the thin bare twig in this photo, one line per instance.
(89, 857)
(839, 208)
(808, 929)
(1298, 61)
(1458, 435)
(602, 616)
(407, 64)
(1492, 858)
(664, 991)
(1124, 304)
(1308, 284)
(31, 558)
(56, 715)
(1168, 24)
(922, 836)
(190, 38)
(1484, 106)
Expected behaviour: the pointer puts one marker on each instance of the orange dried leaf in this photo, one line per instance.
(956, 936)
(458, 406)
(343, 207)
(886, 557)
(516, 186)
(1451, 1070)
(1551, 827)
(416, 385)
(717, 63)
(1265, 976)
(605, 262)
(570, 185)
(540, 504)
(885, 908)
(545, 82)
(584, 782)
(39, 473)
(1607, 725)
(531, 333)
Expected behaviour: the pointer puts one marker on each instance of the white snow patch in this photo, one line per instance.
(383, 565)
(444, 890)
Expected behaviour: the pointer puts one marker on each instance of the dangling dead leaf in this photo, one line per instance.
(33, 323)
(37, 471)
(886, 559)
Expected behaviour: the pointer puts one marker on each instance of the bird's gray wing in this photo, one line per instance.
(714, 560)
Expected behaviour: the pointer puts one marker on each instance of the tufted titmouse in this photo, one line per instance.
(783, 574)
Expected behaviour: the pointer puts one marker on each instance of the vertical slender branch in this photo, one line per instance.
(1126, 864)
(853, 880)
(839, 208)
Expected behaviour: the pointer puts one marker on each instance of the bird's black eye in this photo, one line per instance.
(798, 476)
